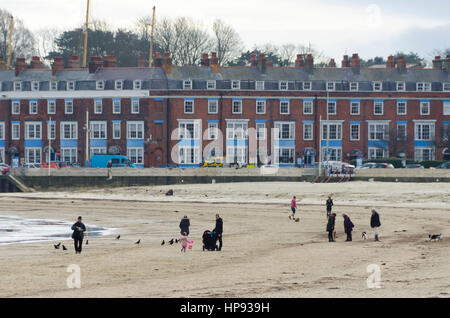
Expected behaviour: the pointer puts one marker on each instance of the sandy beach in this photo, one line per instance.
(264, 253)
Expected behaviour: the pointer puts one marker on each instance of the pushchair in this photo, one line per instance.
(209, 241)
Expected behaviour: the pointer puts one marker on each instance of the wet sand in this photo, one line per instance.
(264, 254)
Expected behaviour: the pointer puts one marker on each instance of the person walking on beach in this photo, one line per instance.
(330, 227)
(348, 227)
(293, 207)
(78, 229)
(109, 166)
(329, 205)
(375, 223)
(184, 226)
(219, 230)
(184, 241)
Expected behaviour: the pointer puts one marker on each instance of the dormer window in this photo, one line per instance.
(35, 86)
(283, 86)
(330, 86)
(118, 84)
(259, 85)
(71, 85)
(235, 84)
(211, 84)
(423, 87)
(137, 84)
(401, 87)
(17, 86)
(354, 86)
(377, 86)
(53, 85)
(99, 85)
(187, 84)
(446, 87)
(307, 86)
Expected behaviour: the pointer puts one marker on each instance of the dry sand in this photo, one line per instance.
(264, 255)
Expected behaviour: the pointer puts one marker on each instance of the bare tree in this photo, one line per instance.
(227, 42)
(46, 43)
(288, 53)
(22, 39)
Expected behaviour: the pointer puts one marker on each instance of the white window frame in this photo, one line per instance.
(183, 132)
(400, 86)
(420, 150)
(354, 89)
(35, 150)
(98, 129)
(406, 107)
(372, 152)
(283, 85)
(288, 107)
(135, 106)
(239, 104)
(331, 86)
(328, 107)
(33, 107)
(51, 103)
(187, 84)
(53, 85)
(421, 109)
(259, 85)
(325, 130)
(309, 86)
(351, 132)
(213, 129)
(406, 132)
(305, 102)
(15, 108)
(35, 85)
(446, 87)
(15, 136)
(68, 103)
(260, 131)
(419, 134)
(263, 105)
(72, 151)
(336, 150)
(118, 103)
(235, 84)
(311, 126)
(279, 125)
(98, 106)
(98, 151)
(2, 130)
(137, 84)
(114, 130)
(73, 132)
(423, 87)
(377, 86)
(32, 126)
(139, 125)
(71, 85)
(377, 130)
(186, 102)
(2, 155)
(139, 155)
(210, 84)
(446, 108)
(17, 86)
(279, 150)
(213, 103)
(375, 107)
(51, 131)
(185, 152)
(351, 108)
(241, 132)
(99, 85)
(118, 85)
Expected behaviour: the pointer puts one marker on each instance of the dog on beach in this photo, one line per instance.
(435, 237)
(364, 235)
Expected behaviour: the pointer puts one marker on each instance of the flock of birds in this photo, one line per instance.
(170, 242)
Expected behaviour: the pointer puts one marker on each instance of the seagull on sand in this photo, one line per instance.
(117, 237)
(57, 245)
(139, 241)
(162, 243)
(171, 242)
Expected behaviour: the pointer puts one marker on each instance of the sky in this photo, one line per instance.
(368, 27)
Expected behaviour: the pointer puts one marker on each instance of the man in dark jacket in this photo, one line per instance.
(330, 227)
(329, 204)
(375, 223)
(219, 230)
(348, 227)
(78, 234)
(184, 225)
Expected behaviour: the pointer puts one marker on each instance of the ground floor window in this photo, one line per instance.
(332, 154)
(189, 155)
(98, 151)
(284, 155)
(376, 153)
(136, 155)
(2, 155)
(237, 154)
(32, 155)
(423, 154)
(69, 155)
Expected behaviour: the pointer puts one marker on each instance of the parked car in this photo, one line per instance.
(384, 165)
(414, 166)
(31, 166)
(118, 161)
(268, 169)
(4, 165)
(213, 162)
(53, 165)
(5, 170)
(444, 165)
(368, 165)
(64, 164)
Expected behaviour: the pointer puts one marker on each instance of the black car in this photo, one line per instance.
(444, 165)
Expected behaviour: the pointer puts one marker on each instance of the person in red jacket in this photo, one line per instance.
(293, 207)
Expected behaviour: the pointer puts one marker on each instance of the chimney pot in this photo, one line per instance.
(332, 63)
(167, 63)
(390, 63)
(214, 62)
(205, 60)
(110, 61)
(95, 63)
(74, 61)
(309, 63)
(345, 61)
(141, 61)
(20, 65)
(253, 61)
(355, 63)
(401, 64)
(299, 62)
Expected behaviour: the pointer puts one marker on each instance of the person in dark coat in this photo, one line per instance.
(375, 223)
(348, 227)
(329, 204)
(78, 229)
(184, 226)
(219, 230)
(330, 227)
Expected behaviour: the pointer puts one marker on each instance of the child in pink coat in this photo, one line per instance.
(184, 242)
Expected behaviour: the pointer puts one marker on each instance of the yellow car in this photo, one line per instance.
(214, 162)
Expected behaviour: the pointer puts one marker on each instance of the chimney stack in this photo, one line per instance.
(345, 61)
(74, 61)
(401, 64)
(167, 63)
(390, 63)
(20, 65)
(332, 63)
(214, 62)
(446, 64)
(253, 61)
(35, 62)
(262, 62)
(95, 63)
(300, 62)
(157, 61)
(205, 60)
(110, 61)
(309, 63)
(141, 61)
(57, 65)
(355, 63)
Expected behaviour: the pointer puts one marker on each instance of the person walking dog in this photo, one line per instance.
(375, 223)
